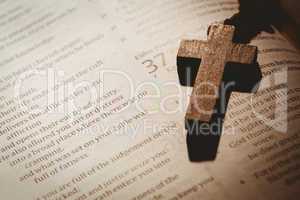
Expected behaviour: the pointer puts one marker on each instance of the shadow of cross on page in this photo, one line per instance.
(215, 68)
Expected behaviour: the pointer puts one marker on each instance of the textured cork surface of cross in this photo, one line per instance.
(214, 53)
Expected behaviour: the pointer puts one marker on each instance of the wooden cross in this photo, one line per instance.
(214, 53)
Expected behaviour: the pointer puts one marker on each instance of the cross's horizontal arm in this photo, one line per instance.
(241, 53)
(191, 49)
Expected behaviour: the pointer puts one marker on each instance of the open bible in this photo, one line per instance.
(91, 106)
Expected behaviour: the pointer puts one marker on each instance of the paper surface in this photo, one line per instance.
(91, 107)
